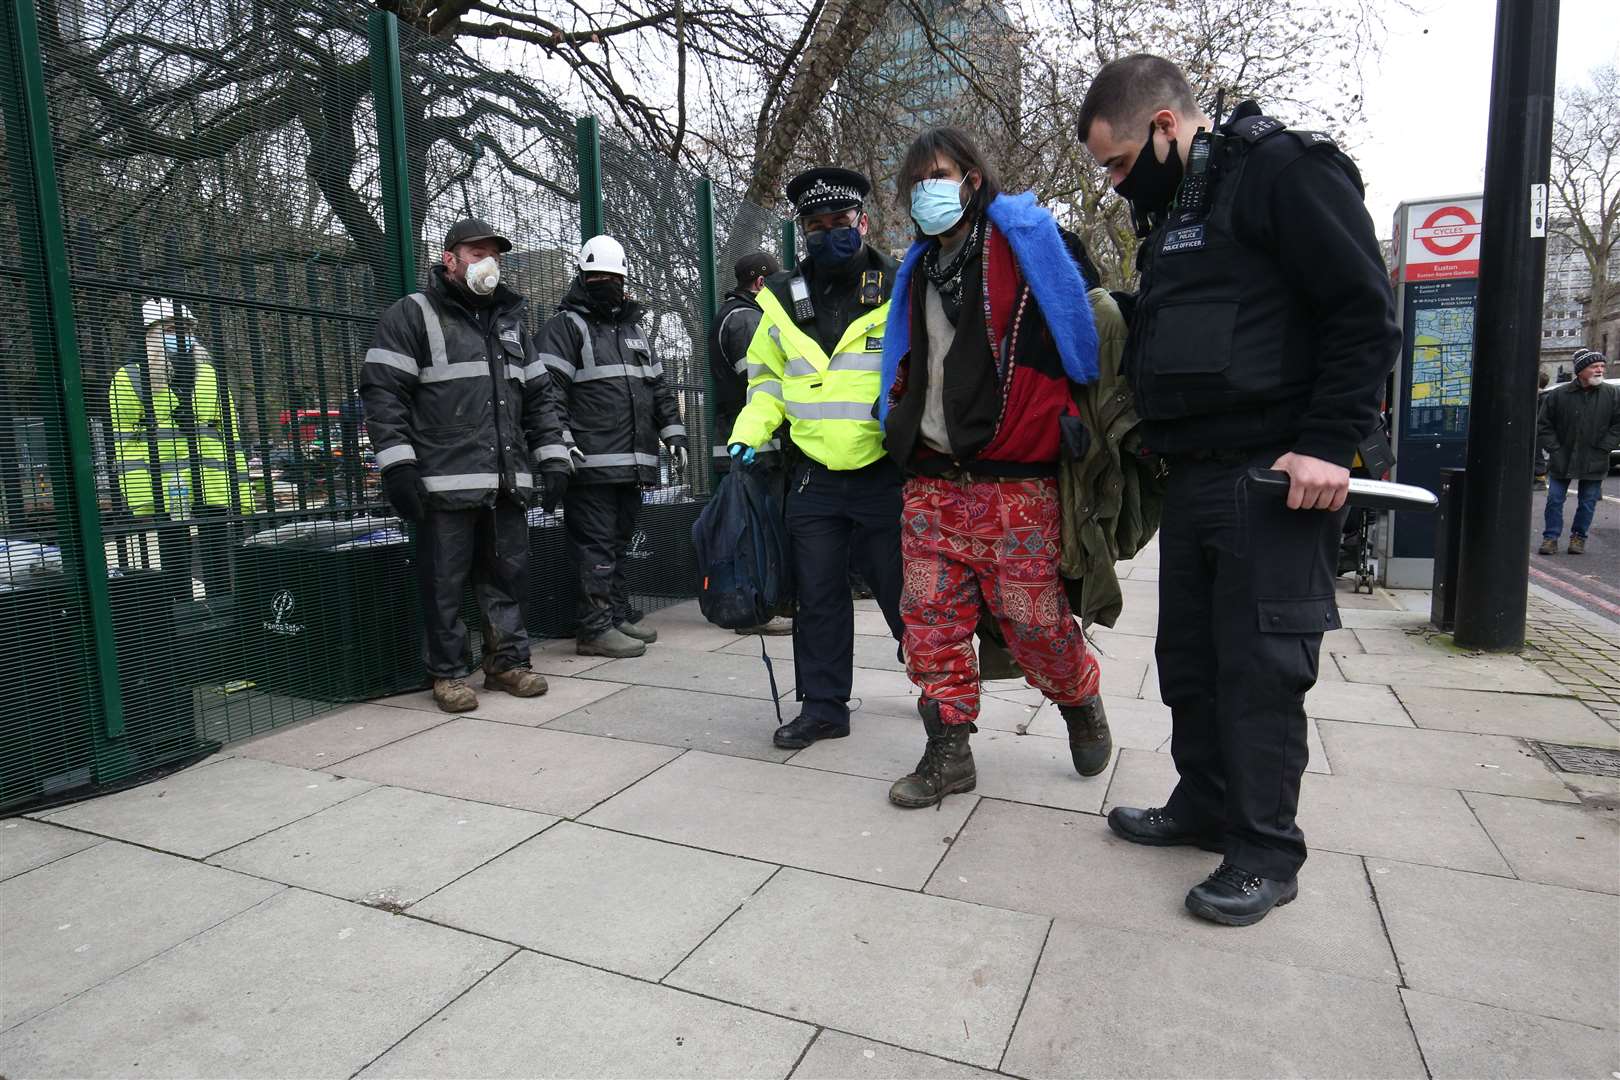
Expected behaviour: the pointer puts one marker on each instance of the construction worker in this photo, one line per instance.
(816, 361)
(177, 447)
(615, 406)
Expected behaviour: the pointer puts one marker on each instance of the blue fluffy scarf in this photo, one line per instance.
(1046, 265)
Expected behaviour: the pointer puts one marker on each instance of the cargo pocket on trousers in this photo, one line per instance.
(1305, 615)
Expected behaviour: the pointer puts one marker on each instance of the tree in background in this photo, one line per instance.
(1586, 183)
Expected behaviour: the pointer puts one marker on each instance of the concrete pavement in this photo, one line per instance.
(625, 878)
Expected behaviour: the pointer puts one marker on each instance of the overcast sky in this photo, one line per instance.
(1428, 101)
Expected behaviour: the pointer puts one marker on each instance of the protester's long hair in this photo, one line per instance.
(959, 147)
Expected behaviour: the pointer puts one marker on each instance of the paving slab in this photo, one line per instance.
(620, 902)
(26, 844)
(1360, 703)
(1357, 616)
(1556, 719)
(1109, 1003)
(1447, 759)
(1135, 723)
(550, 772)
(797, 817)
(557, 657)
(81, 920)
(1111, 646)
(211, 806)
(1140, 779)
(869, 651)
(1049, 862)
(708, 672)
(389, 847)
(872, 624)
(326, 740)
(1554, 843)
(1464, 1041)
(1003, 711)
(1124, 678)
(563, 695)
(1514, 944)
(1342, 641)
(538, 1016)
(836, 1056)
(302, 985)
(1397, 641)
(1506, 674)
(718, 723)
(918, 971)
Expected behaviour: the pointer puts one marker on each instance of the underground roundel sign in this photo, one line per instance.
(1443, 240)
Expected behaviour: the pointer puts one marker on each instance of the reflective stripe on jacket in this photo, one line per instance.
(145, 426)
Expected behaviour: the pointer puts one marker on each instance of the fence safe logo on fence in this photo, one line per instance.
(281, 605)
(638, 547)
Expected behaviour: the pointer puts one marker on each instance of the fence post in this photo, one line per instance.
(710, 293)
(588, 141)
(45, 246)
(790, 246)
(388, 95)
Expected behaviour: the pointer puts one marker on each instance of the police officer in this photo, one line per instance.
(734, 326)
(816, 361)
(1261, 338)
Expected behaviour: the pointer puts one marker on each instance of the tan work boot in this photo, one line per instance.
(611, 643)
(454, 695)
(1548, 546)
(640, 632)
(946, 766)
(1577, 544)
(518, 681)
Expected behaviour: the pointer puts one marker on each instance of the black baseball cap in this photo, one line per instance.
(756, 264)
(469, 230)
(827, 189)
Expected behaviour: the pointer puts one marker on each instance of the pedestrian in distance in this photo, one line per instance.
(989, 330)
(615, 407)
(1261, 337)
(815, 361)
(1578, 428)
(457, 404)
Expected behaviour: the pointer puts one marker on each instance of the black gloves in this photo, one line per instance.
(556, 484)
(403, 486)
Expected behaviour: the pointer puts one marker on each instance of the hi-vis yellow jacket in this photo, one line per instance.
(827, 400)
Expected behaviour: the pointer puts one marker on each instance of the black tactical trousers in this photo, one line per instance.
(600, 520)
(211, 549)
(491, 543)
(1245, 594)
(837, 521)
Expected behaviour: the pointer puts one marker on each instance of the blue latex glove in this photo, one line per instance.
(738, 450)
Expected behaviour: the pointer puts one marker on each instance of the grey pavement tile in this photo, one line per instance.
(1515, 944)
(1507, 674)
(1049, 862)
(550, 772)
(1554, 843)
(1003, 711)
(1360, 703)
(302, 985)
(924, 973)
(1316, 760)
(1558, 719)
(1409, 641)
(1140, 779)
(1464, 1041)
(563, 695)
(1341, 641)
(538, 1016)
(1111, 646)
(718, 723)
(1448, 759)
(1024, 768)
(836, 1056)
(872, 624)
(212, 806)
(1358, 616)
(1602, 792)
(326, 740)
(1211, 1014)
(389, 847)
(1135, 723)
(81, 920)
(869, 652)
(709, 673)
(797, 817)
(620, 902)
(25, 844)
(1124, 678)
(557, 657)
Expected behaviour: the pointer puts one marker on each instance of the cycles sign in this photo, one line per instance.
(1441, 240)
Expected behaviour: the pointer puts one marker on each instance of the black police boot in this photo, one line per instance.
(1232, 896)
(1091, 744)
(1156, 828)
(946, 767)
(809, 727)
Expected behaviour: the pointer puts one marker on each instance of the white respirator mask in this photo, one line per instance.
(483, 276)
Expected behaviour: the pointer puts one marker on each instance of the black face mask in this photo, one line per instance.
(1150, 187)
(605, 296)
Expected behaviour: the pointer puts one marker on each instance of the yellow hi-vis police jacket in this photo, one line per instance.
(827, 400)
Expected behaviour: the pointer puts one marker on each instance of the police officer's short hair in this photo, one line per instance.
(1128, 91)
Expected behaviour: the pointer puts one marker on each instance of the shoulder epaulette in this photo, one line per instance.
(1251, 129)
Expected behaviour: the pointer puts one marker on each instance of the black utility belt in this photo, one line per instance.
(1227, 457)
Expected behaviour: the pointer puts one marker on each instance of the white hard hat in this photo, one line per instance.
(156, 311)
(602, 255)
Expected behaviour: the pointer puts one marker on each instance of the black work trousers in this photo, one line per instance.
(1245, 594)
(600, 520)
(491, 544)
(838, 520)
(208, 557)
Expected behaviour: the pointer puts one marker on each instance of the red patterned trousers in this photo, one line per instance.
(995, 542)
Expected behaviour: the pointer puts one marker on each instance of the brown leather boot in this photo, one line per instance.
(1549, 546)
(1577, 544)
(454, 695)
(946, 767)
(518, 681)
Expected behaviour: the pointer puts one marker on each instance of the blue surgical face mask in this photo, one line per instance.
(936, 205)
(832, 246)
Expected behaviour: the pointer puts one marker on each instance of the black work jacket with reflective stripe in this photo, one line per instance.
(460, 392)
(617, 405)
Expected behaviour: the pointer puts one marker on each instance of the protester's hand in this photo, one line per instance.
(403, 486)
(556, 486)
(677, 449)
(1314, 484)
(742, 453)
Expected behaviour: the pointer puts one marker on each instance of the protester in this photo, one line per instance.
(1578, 428)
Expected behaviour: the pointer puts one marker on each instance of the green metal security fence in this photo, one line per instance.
(205, 205)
